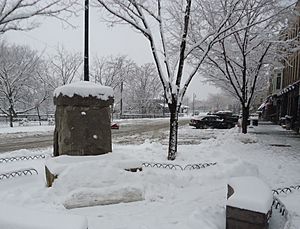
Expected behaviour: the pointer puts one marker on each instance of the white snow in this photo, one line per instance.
(12, 217)
(166, 198)
(87, 197)
(250, 193)
(85, 89)
(28, 130)
(95, 136)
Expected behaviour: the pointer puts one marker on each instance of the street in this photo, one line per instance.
(133, 132)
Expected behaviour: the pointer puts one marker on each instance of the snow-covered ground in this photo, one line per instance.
(28, 130)
(161, 198)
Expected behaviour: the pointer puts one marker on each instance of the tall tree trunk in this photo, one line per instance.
(39, 116)
(245, 116)
(11, 117)
(173, 131)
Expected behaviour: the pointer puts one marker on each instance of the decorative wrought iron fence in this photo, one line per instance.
(277, 204)
(285, 190)
(23, 158)
(178, 167)
(18, 173)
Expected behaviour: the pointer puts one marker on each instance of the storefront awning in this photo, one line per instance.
(288, 88)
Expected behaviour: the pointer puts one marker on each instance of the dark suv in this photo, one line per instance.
(208, 121)
(228, 117)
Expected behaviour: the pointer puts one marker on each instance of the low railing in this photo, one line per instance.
(279, 206)
(18, 173)
(23, 158)
(178, 167)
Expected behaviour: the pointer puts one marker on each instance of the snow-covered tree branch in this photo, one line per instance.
(21, 14)
(20, 88)
(243, 54)
(176, 32)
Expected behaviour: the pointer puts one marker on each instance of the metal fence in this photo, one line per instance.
(279, 206)
(178, 167)
(285, 190)
(18, 173)
(23, 158)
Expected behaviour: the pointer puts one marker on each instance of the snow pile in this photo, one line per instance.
(23, 218)
(84, 89)
(250, 193)
(234, 135)
(247, 138)
(89, 181)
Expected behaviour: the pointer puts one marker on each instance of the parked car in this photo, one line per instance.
(115, 126)
(230, 118)
(210, 121)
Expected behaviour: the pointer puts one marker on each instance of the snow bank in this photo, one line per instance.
(22, 218)
(58, 164)
(95, 180)
(250, 193)
(84, 89)
(62, 163)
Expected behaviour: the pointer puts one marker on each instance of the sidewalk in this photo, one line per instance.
(281, 166)
(281, 140)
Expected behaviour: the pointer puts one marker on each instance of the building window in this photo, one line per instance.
(278, 82)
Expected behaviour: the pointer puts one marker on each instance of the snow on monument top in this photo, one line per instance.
(250, 193)
(84, 89)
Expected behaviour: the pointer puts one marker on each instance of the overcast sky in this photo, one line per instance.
(104, 41)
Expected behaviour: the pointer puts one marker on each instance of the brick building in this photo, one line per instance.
(283, 104)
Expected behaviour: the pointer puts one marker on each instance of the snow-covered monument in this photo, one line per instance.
(82, 119)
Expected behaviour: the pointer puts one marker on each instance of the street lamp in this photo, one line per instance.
(86, 41)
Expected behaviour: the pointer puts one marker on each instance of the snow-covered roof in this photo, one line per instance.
(85, 89)
(223, 112)
(261, 106)
(250, 193)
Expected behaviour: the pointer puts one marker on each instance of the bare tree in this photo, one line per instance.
(143, 87)
(239, 62)
(19, 86)
(21, 14)
(167, 26)
(111, 71)
(114, 72)
(221, 101)
(62, 67)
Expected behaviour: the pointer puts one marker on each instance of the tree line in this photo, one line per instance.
(28, 79)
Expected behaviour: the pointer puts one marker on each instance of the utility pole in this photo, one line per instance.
(86, 41)
(194, 96)
(121, 100)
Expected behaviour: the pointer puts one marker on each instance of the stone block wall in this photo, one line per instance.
(237, 218)
(82, 126)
